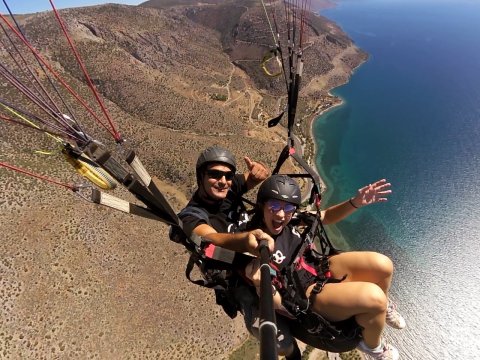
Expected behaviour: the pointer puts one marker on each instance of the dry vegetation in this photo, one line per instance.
(82, 282)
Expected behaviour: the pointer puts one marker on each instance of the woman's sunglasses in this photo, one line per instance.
(218, 174)
(276, 206)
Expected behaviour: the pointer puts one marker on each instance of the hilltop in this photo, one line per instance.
(81, 281)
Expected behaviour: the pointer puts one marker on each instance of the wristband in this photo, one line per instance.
(351, 203)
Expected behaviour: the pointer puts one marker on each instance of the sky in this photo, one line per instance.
(31, 6)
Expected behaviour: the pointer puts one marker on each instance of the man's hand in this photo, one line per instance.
(254, 238)
(257, 172)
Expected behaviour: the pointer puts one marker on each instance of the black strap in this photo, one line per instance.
(213, 278)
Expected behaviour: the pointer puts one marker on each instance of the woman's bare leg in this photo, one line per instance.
(365, 266)
(363, 300)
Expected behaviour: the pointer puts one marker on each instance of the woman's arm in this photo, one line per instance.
(367, 195)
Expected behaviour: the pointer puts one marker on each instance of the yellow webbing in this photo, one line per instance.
(91, 171)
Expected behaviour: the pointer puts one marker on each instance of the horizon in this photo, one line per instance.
(30, 7)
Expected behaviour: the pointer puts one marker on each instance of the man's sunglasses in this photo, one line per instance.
(218, 174)
(276, 206)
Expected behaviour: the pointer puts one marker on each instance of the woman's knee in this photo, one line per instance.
(373, 298)
(360, 262)
(383, 263)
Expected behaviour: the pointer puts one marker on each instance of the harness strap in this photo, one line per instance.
(219, 280)
(212, 278)
(319, 285)
(295, 300)
(314, 323)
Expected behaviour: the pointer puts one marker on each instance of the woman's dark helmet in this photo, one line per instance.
(280, 187)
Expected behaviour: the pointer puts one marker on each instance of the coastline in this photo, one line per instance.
(327, 186)
(411, 237)
(340, 240)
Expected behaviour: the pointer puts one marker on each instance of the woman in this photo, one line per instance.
(352, 284)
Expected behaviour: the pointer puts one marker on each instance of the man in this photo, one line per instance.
(216, 211)
(215, 214)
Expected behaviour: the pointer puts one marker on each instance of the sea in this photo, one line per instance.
(411, 114)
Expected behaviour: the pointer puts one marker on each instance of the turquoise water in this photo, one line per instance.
(412, 114)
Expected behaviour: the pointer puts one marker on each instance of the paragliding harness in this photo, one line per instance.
(216, 264)
(312, 328)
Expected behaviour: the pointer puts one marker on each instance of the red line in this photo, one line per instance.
(41, 177)
(84, 70)
(57, 76)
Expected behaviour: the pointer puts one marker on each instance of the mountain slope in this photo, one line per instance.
(81, 281)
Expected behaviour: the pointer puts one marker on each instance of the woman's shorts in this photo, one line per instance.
(308, 273)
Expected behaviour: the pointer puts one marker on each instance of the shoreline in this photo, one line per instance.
(315, 117)
(327, 186)
(340, 240)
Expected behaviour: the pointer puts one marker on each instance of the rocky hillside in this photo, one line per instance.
(83, 282)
